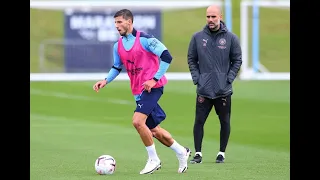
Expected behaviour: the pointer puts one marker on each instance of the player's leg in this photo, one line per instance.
(223, 110)
(203, 109)
(139, 122)
(166, 139)
(153, 122)
(146, 104)
(162, 136)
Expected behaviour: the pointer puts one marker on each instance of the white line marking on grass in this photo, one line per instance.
(78, 97)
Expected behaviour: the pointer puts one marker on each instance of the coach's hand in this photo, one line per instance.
(149, 84)
(98, 85)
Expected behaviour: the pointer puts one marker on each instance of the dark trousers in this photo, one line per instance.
(204, 106)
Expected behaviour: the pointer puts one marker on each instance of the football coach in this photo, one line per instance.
(214, 59)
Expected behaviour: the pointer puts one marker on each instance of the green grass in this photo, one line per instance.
(178, 27)
(71, 125)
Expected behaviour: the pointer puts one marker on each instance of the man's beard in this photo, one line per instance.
(124, 33)
(215, 28)
(125, 30)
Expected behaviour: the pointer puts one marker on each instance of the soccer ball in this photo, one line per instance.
(105, 164)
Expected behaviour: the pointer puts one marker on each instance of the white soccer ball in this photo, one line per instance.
(105, 164)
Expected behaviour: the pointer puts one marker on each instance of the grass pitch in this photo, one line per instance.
(71, 126)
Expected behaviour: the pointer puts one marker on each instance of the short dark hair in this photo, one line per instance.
(125, 13)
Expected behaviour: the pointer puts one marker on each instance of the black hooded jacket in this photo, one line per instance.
(214, 60)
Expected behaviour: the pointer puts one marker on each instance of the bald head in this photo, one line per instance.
(214, 9)
(214, 15)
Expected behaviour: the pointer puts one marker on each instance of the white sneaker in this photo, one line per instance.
(183, 161)
(151, 166)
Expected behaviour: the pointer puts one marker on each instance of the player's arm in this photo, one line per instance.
(117, 65)
(153, 45)
(193, 60)
(235, 58)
